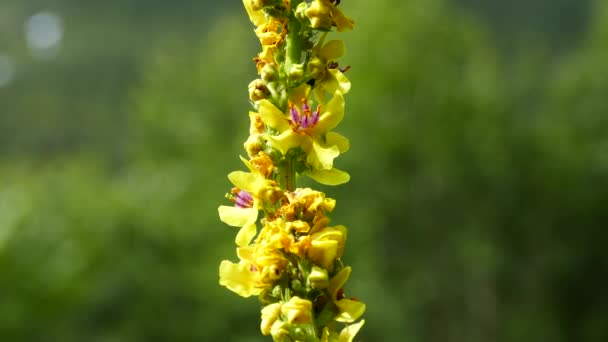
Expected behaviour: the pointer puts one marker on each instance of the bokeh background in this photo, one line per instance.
(479, 196)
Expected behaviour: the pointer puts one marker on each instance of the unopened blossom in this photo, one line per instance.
(325, 14)
(270, 314)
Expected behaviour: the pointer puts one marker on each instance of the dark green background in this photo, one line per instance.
(478, 202)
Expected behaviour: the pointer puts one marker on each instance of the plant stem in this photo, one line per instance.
(290, 174)
(294, 44)
(294, 40)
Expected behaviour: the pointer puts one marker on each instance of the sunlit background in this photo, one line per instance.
(478, 202)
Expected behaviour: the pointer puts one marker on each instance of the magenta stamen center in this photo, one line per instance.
(303, 119)
(243, 199)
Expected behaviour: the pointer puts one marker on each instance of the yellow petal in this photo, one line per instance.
(333, 115)
(340, 82)
(245, 234)
(341, 21)
(246, 253)
(333, 50)
(288, 140)
(333, 82)
(239, 279)
(272, 116)
(322, 157)
(235, 216)
(257, 17)
(338, 281)
(297, 94)
(350, 310)
(329, 177)
(333, 138)
(247, 181)
(323, 253)
(347, 334)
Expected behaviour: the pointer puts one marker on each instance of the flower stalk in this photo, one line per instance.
(293, 261)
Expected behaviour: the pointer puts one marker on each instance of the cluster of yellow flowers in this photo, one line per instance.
(293, 263)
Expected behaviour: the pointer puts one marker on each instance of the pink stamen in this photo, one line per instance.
(295, 116)
(304, 122)
(243, 199)
(315, 116)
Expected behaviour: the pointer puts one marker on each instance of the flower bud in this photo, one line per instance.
(316, 68)
(256, 5)
(253, 146)
(271, 194)
(274, 154)
(297, 310)
(270, 314)
(258, 90)
(269, 72)
(296, 285)
(318, 278)
(296, 72)
(319, 14)
(279, 330)
(300, 11)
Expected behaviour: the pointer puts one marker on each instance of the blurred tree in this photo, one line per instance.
(475, 209)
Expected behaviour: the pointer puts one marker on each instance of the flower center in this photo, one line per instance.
(303, 119)
(241, 198)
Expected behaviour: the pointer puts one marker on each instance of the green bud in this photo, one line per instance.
(297, 286)
(318, 278)
(276, 291)
(269, 72)
(258, 90)
(296, 72)
(274, 154)
(300, 11)
(271, 194)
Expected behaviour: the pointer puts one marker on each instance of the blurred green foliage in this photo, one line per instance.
(476, 206)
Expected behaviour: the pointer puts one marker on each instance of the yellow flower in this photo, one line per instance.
(324, 14)
(308, 205)
(267, 260)
(310, 131)
(350, 309)
(326, 246)
(241, 278)
(280, 234)
(329, 78)
(260, 266)
(297, 310)
(246, 197)
(272, 33)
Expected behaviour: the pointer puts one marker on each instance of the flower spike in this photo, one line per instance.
(293, 263)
